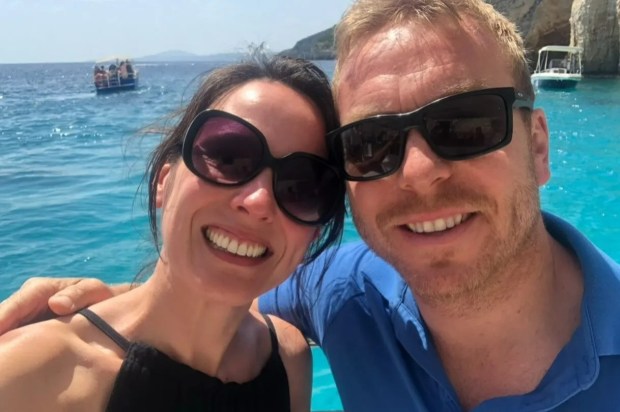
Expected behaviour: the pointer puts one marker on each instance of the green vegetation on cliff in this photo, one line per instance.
(319, 46)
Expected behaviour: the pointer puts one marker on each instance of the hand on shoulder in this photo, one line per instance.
(44, 298)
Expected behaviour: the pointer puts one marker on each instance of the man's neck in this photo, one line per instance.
(506, 346)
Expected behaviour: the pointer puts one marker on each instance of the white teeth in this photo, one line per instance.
(222, 241)
(450, 222)
(438, 225)
(242, 249)
(234, 246)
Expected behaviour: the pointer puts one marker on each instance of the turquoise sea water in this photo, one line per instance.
(70, 166)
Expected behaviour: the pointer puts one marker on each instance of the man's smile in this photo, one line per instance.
(438, 225)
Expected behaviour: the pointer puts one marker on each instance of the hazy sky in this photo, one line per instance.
(84, 30)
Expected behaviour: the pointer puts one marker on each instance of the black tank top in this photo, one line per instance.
(151, 381)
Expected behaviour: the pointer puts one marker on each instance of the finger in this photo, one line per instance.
(13, 311)
(85, 292)
(8, 315)
(29, 303)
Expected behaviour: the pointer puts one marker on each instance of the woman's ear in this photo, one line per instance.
(162, 178)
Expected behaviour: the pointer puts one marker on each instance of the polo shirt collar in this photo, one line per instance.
(577, 365)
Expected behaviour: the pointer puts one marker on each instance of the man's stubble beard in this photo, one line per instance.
(503, 259)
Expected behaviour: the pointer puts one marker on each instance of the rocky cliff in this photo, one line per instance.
(590, 24)
(593, 25)
(319, 46)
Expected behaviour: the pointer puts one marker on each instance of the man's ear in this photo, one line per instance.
(162, 178)
(540, 146)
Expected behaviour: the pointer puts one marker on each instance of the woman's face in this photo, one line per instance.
(202, 223)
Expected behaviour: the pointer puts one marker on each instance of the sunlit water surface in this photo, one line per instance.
(70, 165)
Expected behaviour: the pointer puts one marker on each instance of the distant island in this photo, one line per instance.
(183, 56)
(319, 46)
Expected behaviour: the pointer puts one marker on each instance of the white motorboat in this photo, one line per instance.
(558, 67)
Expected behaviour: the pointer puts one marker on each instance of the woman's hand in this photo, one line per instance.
(44, 298)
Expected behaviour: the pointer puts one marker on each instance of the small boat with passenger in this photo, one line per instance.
(558, 67)
(115, 74)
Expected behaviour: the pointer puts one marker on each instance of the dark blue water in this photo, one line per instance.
(70, 164)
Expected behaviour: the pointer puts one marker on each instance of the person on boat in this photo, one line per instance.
(246, 193)
(123, 70)
(99, 76)
(130, 71)
(464, 295)
(113, 77)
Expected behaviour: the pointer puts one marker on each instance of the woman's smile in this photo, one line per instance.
(227, 242)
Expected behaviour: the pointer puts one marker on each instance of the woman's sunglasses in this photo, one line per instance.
(225, 150)
(456, 127)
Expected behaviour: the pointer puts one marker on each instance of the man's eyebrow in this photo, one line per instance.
(375, 108)
(366, 111)
(462, 87)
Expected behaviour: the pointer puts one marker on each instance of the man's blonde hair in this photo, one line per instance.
(366, 17)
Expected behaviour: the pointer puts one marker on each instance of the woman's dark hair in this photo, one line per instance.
(300, 75)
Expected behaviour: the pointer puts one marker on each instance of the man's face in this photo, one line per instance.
(449, 227)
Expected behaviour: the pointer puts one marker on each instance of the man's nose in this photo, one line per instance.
(421, 169)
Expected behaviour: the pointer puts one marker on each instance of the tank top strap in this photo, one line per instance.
(274, 336)
(104, 327)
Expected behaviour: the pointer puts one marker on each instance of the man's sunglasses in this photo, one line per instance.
(456, 127)
(226, 150)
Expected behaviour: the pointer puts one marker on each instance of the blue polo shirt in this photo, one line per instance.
(366, 320)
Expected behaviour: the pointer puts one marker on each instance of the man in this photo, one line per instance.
(487, 303)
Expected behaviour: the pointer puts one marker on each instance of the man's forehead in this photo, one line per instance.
(399, 69)
(362, 59)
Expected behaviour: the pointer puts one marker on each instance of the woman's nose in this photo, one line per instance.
(255, 198)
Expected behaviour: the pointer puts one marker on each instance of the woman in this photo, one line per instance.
(245, 195)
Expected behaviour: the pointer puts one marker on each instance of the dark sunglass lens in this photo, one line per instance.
(226, 151)
(467, 126)
(370, 150)
(306, 188)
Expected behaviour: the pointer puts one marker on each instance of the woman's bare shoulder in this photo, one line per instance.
(31, 359)
(45, 366)
(33, 346)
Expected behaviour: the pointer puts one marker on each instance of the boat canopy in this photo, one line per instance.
(565, 49)
(112, 59)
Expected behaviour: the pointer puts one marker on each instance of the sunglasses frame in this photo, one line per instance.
(267, 160)
(404, 122)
